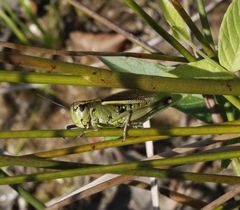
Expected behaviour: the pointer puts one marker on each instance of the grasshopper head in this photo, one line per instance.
(80, 114)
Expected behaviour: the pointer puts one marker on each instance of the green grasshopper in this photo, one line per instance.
(127, 108)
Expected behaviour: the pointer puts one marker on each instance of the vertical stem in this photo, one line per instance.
(37, 204)
(170, 39)
(193, 27)
(204, 21)
(21, 36)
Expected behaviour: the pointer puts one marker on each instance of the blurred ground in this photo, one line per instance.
(24, 109)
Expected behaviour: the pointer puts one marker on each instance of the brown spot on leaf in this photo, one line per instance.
(93, 147)
(53, 66)
(229, 86)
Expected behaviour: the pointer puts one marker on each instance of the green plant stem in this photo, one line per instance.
(235, 101)
(16, 19)
(92, 76)
(170, 39)
(231, 205)
(13, 27)
(236, 166)
(32, 17)
(96, 146)
(205, 24)
(163, 131)
(228, 110)
(37, 204)
(174, 174)
(104, 78)
(235, 161)
(52, 65)
(31, 161)
(152, 56)
(127, 169)
(193, 28)
(38, 50)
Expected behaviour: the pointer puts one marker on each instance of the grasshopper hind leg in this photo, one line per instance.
(124, 120)
(126, 127)
(126, 124)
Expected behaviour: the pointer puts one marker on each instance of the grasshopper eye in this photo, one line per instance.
(81, 107)
(122, 109)
(168, 100)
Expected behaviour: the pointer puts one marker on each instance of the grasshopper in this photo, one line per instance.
(127, 108)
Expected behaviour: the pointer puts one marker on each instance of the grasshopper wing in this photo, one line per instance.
(132, 97)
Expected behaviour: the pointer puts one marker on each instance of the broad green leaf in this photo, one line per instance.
(205, 68)
(176, 22)
(194, 106)
(229, 38)
(136, 66)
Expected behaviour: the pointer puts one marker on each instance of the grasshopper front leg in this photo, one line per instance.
(70, 126)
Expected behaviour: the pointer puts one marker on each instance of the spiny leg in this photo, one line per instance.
(126, 116)
(126, 125)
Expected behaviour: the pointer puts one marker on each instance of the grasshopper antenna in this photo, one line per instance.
(52, 101)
